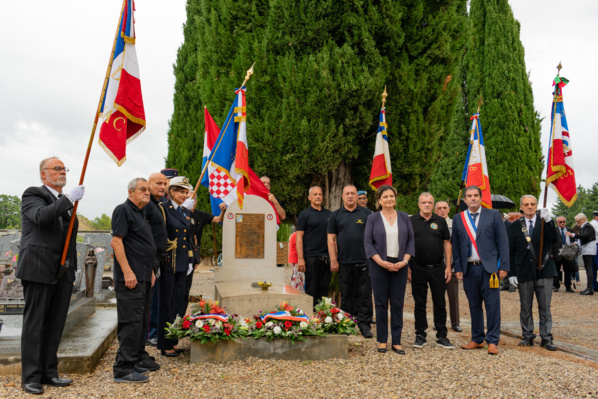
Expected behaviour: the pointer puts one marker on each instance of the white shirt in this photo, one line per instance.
(590, 247)
(594, 224)
(474, 254)
(392, 238)
(56, 193)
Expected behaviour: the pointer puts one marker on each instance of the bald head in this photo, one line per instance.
(158, 183)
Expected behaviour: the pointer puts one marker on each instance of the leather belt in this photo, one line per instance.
(434, 266)
(475, 262)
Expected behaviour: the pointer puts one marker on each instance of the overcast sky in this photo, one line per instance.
(55, 54)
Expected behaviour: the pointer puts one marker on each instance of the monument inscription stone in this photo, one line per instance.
(250, 231)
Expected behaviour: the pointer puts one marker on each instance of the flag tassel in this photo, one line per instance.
(95, 123)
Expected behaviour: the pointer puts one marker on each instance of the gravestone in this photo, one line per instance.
(249, 256)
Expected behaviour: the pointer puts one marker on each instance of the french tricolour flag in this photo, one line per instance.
(122, 115)
(476, 169)
(381, 172)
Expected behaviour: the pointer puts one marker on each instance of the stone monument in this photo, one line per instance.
(249, 256)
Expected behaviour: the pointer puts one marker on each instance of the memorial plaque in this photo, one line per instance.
(250, 230)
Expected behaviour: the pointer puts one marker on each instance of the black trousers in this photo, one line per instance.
(44, 315)
(317, 277)
(421, 277)
(587, 264)
(172, 292)
(388, 286)
(562, 273)
(132, 308)
(356, 292)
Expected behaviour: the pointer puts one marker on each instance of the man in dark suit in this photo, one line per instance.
(524, 248)
(563, 266)
(47, 287)
(480, 249)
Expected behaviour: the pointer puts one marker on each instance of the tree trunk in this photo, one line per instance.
(335, 181)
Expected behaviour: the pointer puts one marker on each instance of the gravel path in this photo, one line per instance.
(431, 372)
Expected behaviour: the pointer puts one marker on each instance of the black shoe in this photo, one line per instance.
(398, 351)
(169, 354)
(366, 331)
(33, 388)
(587, 291)
(512, 289)
(132, 378)
(141, 370)
(419, 342)
(555, 290)
(569, 289)
(58, 382)
(457, 328)
(548, 345)
(444, 343)
(149, 365)
(526, 342)
(179, 350)
(382, 350)
(152, 342)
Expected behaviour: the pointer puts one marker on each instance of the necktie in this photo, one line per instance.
(178, 208)
(474, 216)
(563, 236)
(531, 227)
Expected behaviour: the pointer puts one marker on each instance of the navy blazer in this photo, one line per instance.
(178, 225)
(375, 236)
(45, 222)
(522, 265)
(491, 239)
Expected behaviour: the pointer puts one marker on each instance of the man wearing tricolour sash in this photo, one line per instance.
(480, 258)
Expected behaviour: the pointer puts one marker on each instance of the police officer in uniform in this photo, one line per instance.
(179, 261)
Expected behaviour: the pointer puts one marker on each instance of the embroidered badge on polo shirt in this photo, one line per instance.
(433, 226)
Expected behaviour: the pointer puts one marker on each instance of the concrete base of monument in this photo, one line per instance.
(239, 297)
(80, 350)
(271, 274)
(313, 348)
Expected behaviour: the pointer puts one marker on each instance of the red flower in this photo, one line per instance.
(227, 331)
(206, 328)
(288, 324)
(334, 310)
(186, 324)
(259, 324)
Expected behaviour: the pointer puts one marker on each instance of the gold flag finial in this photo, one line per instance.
(384, 95)
(558, 68)
(249, 73)
(480, 102)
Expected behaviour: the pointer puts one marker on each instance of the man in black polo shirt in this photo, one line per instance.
(312, 246)
(432, 247)
(346, 228)
(134, 254)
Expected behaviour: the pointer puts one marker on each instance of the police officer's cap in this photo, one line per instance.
(170, 173)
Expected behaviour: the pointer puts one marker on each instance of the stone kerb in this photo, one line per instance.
(313, 348)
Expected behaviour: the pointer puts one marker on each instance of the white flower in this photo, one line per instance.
(277, 330)
(243, 323)
(328, 320)
(269, 324)
(218, 324)
(300, 311)
(328, 301)
(339, 316)
(303, 324)
(199, 323)
(211, 321)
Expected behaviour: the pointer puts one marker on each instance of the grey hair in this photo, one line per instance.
(312, 187)
(349, 185)
(133, 183)
(527, 196)
(440, 202)
(42, 165)
(425, 194)
(560, 216)
(580, 216)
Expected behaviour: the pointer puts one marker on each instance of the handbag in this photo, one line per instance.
(570, 251)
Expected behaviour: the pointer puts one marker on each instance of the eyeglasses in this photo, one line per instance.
(58, 169)
(561, 221)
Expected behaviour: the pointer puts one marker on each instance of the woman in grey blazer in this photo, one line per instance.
(388, 246)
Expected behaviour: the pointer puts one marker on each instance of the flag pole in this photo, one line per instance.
(205, 167)
(93, 130)
(558, 68)
(480, 102)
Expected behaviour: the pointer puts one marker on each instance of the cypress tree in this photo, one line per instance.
(494, 67)
(313, 103)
